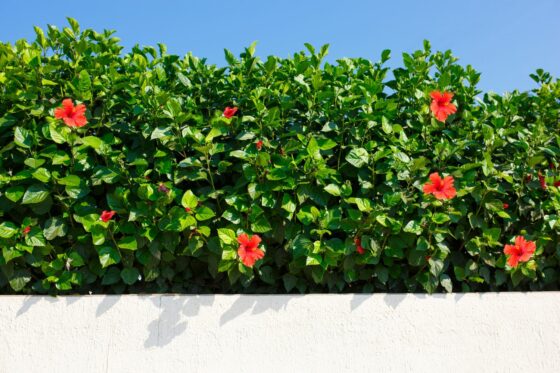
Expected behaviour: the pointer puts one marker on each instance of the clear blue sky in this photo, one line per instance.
(504, 39)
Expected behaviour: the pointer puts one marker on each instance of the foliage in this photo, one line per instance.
(319, 158)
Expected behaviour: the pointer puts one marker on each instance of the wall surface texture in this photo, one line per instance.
(494, 332)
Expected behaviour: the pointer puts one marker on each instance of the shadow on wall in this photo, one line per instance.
(106, 304)
(169, 324)
(394, 300)
(258, 304)
(176, 310)
(31, 301)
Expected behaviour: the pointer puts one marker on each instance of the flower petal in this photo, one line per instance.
(436, 95)
(513, 261)
(447, 96)
(243, 239)
(254, 241)
(510, 250)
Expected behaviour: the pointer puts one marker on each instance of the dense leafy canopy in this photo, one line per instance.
(325, 162)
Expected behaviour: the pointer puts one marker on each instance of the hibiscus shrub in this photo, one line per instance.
(147, 172)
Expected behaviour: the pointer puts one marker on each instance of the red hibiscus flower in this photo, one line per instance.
(73, 116)
(506, 206)
(358, 243)
(230, 112)
(542, 181)
(441, 105)
(107, 215)
(249, 251)
(259, 144)
(520, 252)
(440, 188)
(26, 230)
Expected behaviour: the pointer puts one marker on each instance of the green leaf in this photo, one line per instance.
(386, 126)
(313, 149)
(130, 275)
(440, 218)
(15, 193)
(35, 194)
(204, 213)
(227, 236)
(492, 234)
(35, 237)
(161, 132)
(7, 229)
(84, 85)
(357, 157)
(333, 189)
(108, 255)
(54, 227)
(445, 281)
(288, 204)
(58, 134)
(19, 279)
(128, 243)
(70, 180)
(22, 138)
(289, 281)
(189, 200)
(436, 266)
(42, 174)
(76, 259)
(176, 220)
(261, 225)
(112, 276)
(92, 141)
(413, 227)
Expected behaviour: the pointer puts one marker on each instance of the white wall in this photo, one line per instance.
(505, 332)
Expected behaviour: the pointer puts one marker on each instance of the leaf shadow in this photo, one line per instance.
(171, 321)
(31, 301)
(106, 304)
(257, 304)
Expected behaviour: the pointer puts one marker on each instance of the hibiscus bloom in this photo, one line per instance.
(440, 188)
(259, 144)
(26, 230)
(441, 105)
(107, 215)
(358, 243)
(520, 252)
(73, 116)
(249, 251)
(230, 112)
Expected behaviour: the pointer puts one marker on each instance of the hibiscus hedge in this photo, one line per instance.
(168, 174)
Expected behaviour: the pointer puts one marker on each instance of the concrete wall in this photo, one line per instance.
(505, 332)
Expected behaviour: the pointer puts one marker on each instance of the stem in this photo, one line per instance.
(470, 227)
(72, 142)
(115, 242)
(212, 181)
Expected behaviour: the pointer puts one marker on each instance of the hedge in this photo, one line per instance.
(169, 174)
